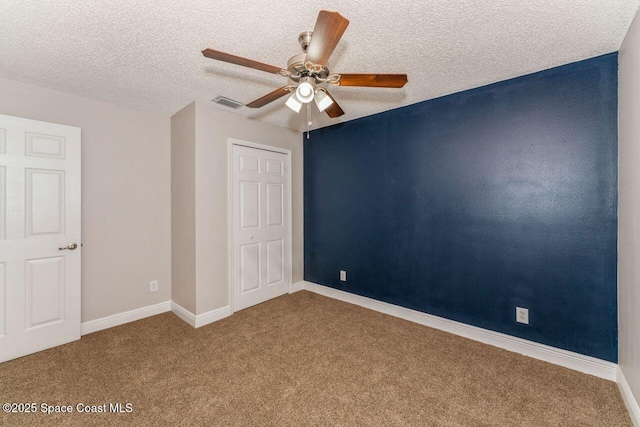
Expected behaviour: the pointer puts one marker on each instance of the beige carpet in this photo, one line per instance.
(302, 359)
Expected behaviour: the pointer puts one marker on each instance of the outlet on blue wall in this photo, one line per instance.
(469, 205)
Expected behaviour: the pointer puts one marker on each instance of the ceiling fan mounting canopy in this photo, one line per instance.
(304, 39)
(311, 68)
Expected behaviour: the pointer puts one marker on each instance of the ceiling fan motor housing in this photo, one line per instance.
(295, 66)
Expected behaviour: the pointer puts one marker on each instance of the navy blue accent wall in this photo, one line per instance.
(469, 205)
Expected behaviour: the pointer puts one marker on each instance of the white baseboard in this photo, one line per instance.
(213, 316)
(152, 310)
(298, 286)
(201, 319)
(183, 313)
(126, 317)
(568, 359)
(629, 399)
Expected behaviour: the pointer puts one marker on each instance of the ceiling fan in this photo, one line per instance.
(309, 72)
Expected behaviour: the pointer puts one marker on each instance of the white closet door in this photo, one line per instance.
(39, 218)
(260, 211)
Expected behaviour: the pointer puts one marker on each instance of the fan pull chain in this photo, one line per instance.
(308, 118)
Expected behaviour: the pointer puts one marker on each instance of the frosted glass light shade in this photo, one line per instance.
(323, 100)
(293, 103)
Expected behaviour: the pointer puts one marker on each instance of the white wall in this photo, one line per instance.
(629, 208)
(126, 195)
(183, 208)
(214, 127)
(209, 209)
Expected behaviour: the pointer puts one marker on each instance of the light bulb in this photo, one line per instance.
(304, 92)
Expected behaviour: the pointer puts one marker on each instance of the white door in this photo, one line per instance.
(261, 218)
(39, 213)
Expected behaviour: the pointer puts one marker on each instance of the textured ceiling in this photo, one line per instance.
(145, 54)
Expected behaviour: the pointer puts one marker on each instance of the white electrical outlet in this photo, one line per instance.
(343, 275)
(153, 285)
(522, 315)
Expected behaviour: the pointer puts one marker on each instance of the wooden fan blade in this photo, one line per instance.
(270, 97)
(238, 60)
(334, 109)
(327, 33)
(373, 80)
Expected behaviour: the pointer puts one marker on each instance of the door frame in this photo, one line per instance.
(230, 230)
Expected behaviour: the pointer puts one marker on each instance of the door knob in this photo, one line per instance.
(71, 246)
(251, 236)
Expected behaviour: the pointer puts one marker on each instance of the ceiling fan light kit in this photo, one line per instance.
(309, 72)
(305, 93)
